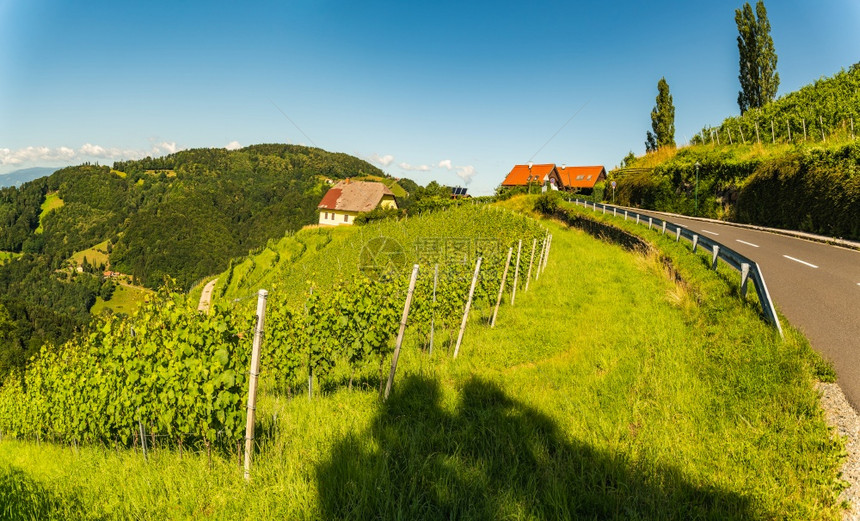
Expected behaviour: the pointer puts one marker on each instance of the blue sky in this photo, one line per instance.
(453, 91)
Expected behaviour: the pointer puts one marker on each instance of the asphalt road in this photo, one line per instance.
(815, 285)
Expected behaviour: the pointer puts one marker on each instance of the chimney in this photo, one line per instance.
(530, 166)
(563, 166)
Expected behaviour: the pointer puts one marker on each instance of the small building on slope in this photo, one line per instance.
(345, 200)
(580, 179)
(530, 175)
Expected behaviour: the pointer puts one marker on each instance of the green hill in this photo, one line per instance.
(181, 216)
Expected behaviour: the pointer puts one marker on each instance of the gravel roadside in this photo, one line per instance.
(842, 417)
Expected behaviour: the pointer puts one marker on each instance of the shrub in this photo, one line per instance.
(547, 202)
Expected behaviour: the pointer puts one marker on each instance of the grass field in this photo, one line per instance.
(610, 391)
(125, 299)
(8, 255)
(52, 202)
(96, 255)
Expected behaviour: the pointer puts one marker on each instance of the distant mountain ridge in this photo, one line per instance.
(25, 175)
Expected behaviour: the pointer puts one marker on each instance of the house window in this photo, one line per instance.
(326, 215)
(589, 177)
(346, 218)
(580, 178)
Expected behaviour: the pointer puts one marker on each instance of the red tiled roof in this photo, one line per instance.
(520, 174)
(354, 196)
(329, 200)
(580, 176)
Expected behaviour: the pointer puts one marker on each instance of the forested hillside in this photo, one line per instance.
(181, 216)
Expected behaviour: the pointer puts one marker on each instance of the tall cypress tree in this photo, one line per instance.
(662, 119)
(757, 58)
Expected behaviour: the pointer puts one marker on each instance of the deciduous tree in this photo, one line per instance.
(662, 119)
(757, 58)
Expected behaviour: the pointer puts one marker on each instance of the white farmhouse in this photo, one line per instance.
(345, 200)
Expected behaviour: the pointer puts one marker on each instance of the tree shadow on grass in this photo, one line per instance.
(496, 458)
(23, 498)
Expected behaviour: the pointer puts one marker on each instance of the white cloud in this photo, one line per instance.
(34, 155)
(466, 173)
(93, 150)
(445, 163)
(385, 160)
(166, 148)
(418, 168)
(233, 145)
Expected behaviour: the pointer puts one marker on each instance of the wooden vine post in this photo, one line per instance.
(516, 273)
(252, 381)
(529, 274)
(546, 255)
(433, 316)
(540, 258)
(502, 286)
(468, 307)
(400, 332)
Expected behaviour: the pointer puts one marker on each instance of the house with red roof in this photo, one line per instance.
(580, 178)
(345, 200)
(529, 175)
(569, 178)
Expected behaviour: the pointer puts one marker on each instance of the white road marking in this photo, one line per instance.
(708, 231)
(800, 261)
(747, 243)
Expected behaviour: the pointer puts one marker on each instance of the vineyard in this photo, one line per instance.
(828, 109)
(171, 373)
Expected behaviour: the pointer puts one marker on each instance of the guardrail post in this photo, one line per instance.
(637, 218)
(604, 208)
(664, 228)
(716, 255)
(625, 215)
(695, 242)
(677, 234)
(650, 222)
(614, 211)
(764, 298)
(745, 276)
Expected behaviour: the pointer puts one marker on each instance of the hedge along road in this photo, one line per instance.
(815, 285)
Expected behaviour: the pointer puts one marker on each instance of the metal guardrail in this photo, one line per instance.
(748, 268)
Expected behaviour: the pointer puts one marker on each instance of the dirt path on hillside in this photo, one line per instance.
(206, 296)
